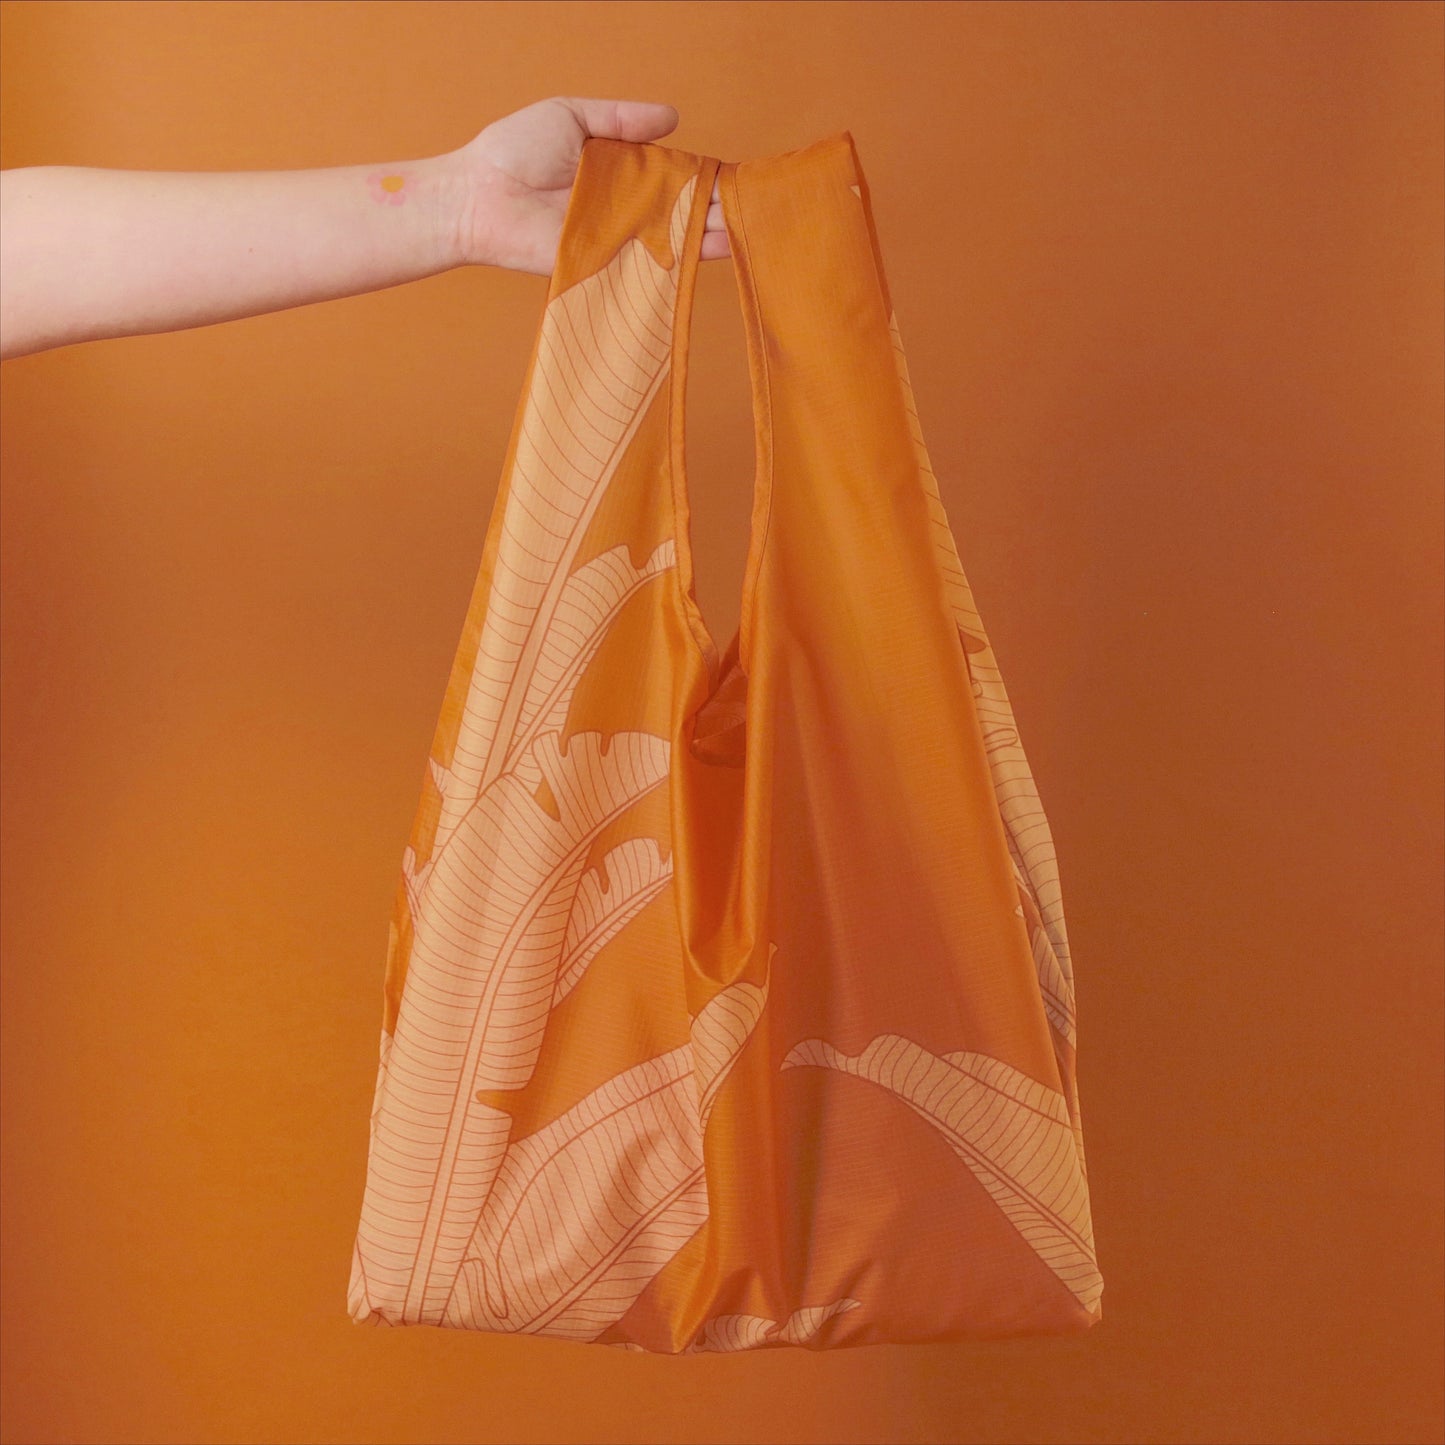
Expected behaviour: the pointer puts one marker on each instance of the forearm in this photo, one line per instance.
(87, 253)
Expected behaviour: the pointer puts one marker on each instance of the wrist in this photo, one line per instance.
(477, 211)
(454, 210)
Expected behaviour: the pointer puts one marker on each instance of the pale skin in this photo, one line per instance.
(88, 253)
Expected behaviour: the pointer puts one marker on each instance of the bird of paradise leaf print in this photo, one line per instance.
(357, 1290)
(635, 873)
(721, 1030)
(590, 603)
(751, 1332)
(494, 932)
(603, 352)
(488, 945)
(587, 1210)
(1030, 840)
(1012, 1131)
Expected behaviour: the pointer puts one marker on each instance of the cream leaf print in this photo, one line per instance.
(1030, 840)
(487, 944)
(751, 1332)
(491, 908)
(1018, 799)
(587, 1210)
(635, 874)
(720, 1030)
(731, 1333)
(591, 601)
(603, 351)
(358, 1292)
(414, 878)
(803, 1324)
(1054, 987)
(1013, 1132)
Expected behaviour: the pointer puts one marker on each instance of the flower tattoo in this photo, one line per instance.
(388, 188)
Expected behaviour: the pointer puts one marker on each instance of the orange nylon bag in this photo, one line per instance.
(728, 1002)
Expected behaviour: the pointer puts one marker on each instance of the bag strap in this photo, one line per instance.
(725, 173)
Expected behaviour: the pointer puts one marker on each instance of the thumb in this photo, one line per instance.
(634, 120)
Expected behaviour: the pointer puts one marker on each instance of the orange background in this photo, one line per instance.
(1169, 281)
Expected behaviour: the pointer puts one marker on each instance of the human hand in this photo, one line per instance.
(515, 178)
(93, 253)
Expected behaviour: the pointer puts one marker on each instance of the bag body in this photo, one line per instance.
(728, 1002)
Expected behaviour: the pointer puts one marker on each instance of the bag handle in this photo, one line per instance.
(725, 173)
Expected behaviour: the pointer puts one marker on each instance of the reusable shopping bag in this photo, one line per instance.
(728, 1002)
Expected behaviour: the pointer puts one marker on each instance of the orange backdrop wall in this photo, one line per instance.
(1169, 280)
